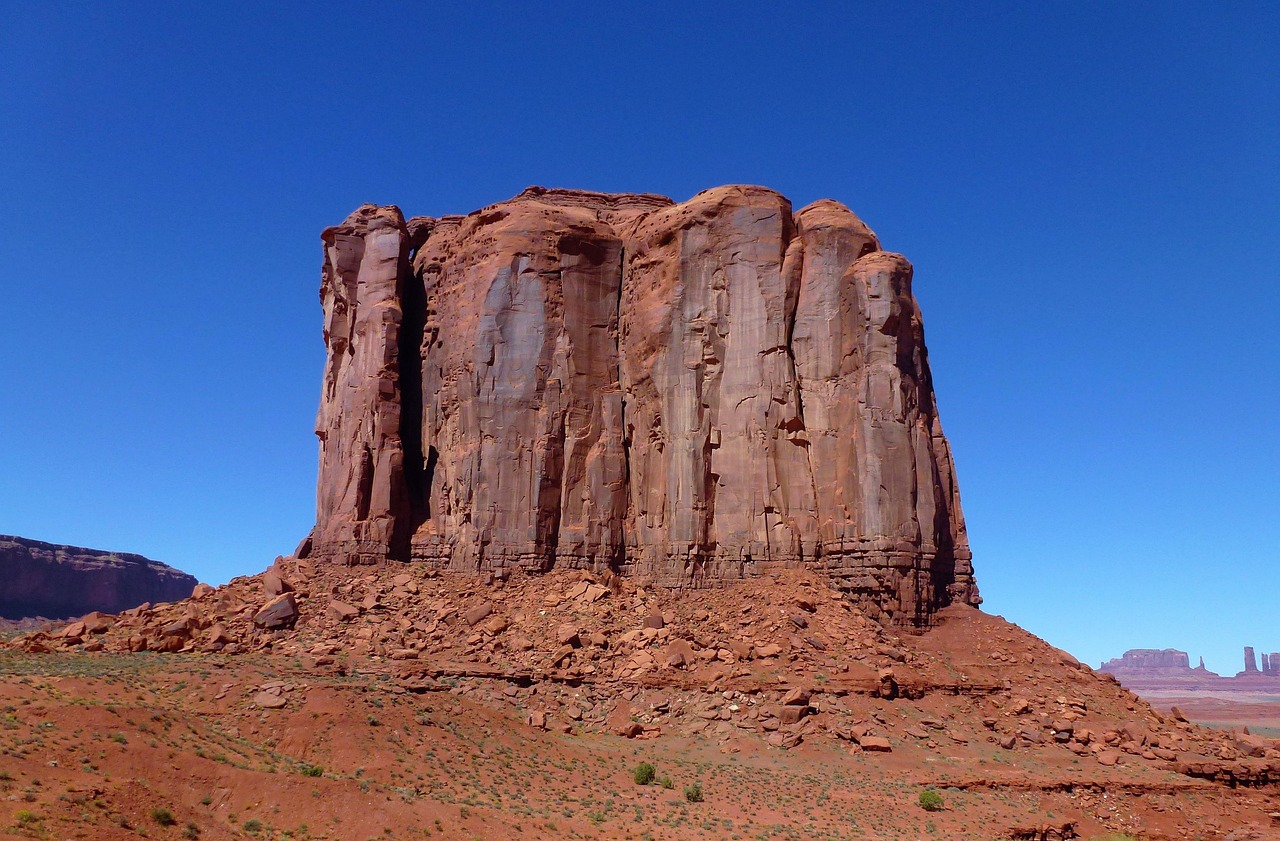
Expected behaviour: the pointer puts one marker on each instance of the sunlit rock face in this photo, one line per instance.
(692, 393)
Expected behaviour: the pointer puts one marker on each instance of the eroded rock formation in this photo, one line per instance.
(1143, 660)
(361, 503)
(58, 582)
(686, 392)
(1270, 664)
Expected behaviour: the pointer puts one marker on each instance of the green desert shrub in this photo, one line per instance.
(693, 792)
(644, 773)
(930, 800)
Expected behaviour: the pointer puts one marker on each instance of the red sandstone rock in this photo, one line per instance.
(362, 507)
(280, 612)
(343, 611)
(273, 584)
(1167, 671)
(875, 743)
(55, 581)
(1108, 757)
(684, 392)
(797, 697)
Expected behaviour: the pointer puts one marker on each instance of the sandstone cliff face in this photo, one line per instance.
(361, 491)
(58, 582)
(686, 392)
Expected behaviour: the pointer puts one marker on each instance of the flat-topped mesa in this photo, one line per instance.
(57, 581)
(690, 393)
(1150, 659)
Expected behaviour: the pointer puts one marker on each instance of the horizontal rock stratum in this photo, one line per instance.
(56, 581)
(689, 393)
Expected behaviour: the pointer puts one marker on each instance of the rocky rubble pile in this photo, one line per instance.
(781, 659)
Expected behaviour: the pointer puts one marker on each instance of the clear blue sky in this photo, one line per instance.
(1089, 191)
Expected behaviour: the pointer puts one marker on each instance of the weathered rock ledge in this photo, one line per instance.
(689, 393)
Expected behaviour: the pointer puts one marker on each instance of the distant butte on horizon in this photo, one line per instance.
(1150, 666)
(688, 393)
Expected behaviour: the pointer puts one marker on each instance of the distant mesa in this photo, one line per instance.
(1154, 669)
(1148, 660)
(53, 581)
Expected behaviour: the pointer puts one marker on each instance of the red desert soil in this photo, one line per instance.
(1257, 711)
(399, 703)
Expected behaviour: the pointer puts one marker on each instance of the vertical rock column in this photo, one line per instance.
(522, 420)
(362, 511)
(889, 517)
(719, 475)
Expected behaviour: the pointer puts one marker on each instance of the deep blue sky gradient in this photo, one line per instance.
(1089, 192)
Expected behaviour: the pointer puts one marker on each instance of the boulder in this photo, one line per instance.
(796, 697)
(474, 616)
(274, 584)
(280, 612)
(567, 635)
(342, 611)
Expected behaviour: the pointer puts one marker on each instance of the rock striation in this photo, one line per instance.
(687, 393)
(57, 582)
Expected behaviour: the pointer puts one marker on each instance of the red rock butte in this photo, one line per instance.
(689, 393)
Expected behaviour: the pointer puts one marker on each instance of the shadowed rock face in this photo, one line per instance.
(59, 582)
(686, 392)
